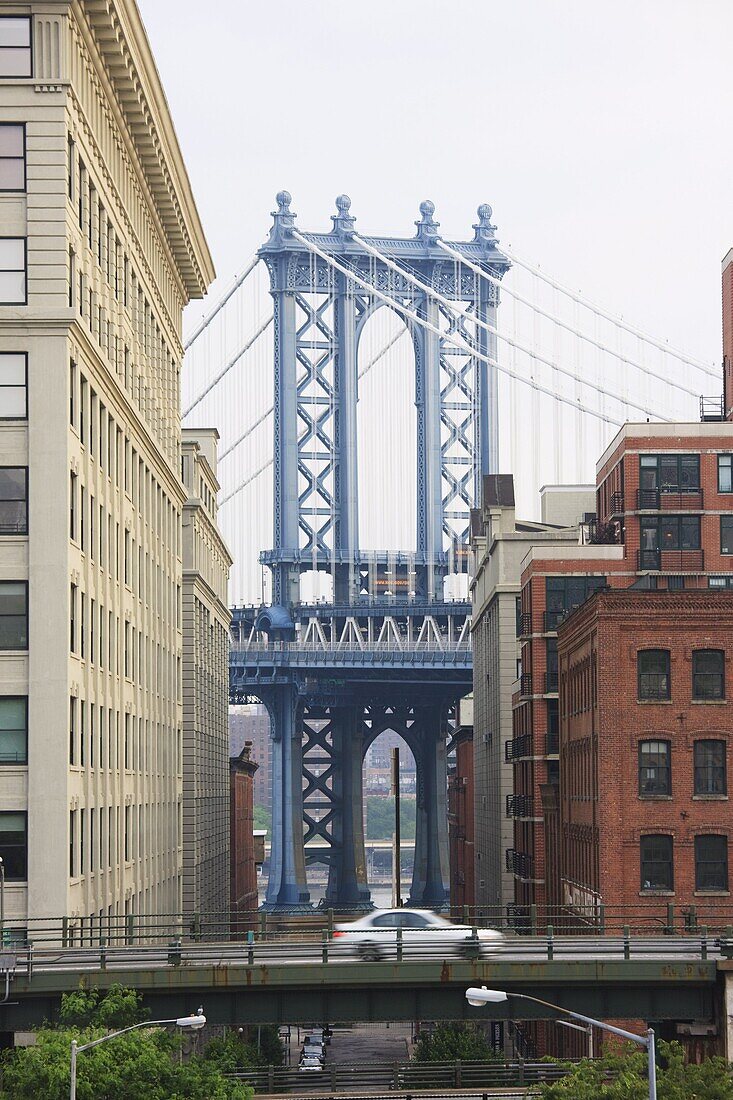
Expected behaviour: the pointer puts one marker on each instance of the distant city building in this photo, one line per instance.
(206, 618)
(251, 722)
(243, 856)
(727, 400)
(101, 248)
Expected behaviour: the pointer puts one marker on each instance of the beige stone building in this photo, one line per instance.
(206, 618)
(500, 543)
(100, 248)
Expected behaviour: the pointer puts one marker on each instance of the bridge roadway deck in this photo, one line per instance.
(285, 982)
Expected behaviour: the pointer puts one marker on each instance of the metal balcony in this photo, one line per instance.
(551, 682)
(617, 504)
(519, 805)
(712, 408)
(524, 623)
(519, 863)
(518, 748)
(552, 619)
(525, 684)
(671, 561)
(669, 500)
(552, 743)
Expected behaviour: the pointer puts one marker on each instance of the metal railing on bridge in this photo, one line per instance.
(397, 1076)
(587, 915)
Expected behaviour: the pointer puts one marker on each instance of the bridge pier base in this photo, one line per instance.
(347, 879)
(287, 888)
(430, 876)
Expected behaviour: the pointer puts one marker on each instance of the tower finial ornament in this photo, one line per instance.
(343, 221)
(284, 217)
(427, 227)
(483, 230)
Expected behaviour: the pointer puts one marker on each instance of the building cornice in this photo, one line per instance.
(128, 58)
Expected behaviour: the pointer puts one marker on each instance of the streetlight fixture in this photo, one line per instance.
(191, 1023)
(478, 997)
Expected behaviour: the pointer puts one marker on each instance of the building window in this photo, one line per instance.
(708, 674)
(725, 473)
(670, 533)
(12, 271)
(710, 767)
(15, 46)
(711, 863)
(656, 862)
(669, 473)
(13, 729)
(654, 769)
(12, 156)
(13, 385)
(13, 500)
(72, 843)
(13, 615)
(13, 845)
(726, 534)
(720, 582)
(652, 666)
(564, 594)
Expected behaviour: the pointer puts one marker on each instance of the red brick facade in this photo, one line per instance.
(242, 867)
(461, 823)
(644, 760)
(664, 500)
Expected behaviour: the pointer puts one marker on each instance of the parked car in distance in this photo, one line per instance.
(310, 1065)
(374, 936)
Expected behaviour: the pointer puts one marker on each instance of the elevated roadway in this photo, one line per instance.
(302, 981)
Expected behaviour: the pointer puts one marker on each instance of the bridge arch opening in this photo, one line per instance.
(386, 433)
(379, 814)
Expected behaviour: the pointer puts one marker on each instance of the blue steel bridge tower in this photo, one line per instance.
(390, 652)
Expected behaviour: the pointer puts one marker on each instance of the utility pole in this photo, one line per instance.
(396, 857)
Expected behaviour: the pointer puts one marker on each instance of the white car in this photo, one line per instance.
(310, 1065)
(374, 937)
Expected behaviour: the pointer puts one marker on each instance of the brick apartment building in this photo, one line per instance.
(645, 742)
(461, 812)
(664, 523)
(242, 855)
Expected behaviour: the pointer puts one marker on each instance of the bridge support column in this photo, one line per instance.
(287, 887)
(727, 1027)
(347, 878)
(430, 876)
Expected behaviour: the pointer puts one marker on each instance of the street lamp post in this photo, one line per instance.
(193, 1023)
(478, 997)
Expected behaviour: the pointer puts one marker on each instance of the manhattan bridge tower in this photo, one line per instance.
(389, 651)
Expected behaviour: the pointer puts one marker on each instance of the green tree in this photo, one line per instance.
(239, 1051)
(262, 818)
(130, 1067)
(380, 817)
(451, 1042)
(623, 1076)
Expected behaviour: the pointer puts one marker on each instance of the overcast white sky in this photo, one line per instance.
(599, 130)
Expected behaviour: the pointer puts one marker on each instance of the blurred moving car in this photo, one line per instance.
(374, 936)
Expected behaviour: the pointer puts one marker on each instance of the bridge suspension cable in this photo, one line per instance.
(450, 337)
(268, 412)
(618, 321)
(570, 328)
(502, 336)
(232, 363)
(222, 302)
